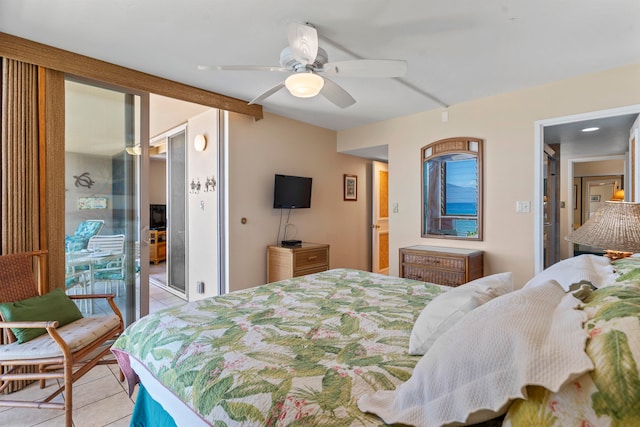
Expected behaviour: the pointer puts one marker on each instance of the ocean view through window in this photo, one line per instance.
(452, 189)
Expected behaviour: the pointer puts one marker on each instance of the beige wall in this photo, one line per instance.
(601, 167)
(260, 149)
(506, 123)
(157, 181)
(203, 207)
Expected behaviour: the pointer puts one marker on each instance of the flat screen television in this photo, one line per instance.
(157, 217)
(291, 192)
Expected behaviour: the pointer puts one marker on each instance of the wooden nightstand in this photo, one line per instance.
(287, 262)
(444, 266)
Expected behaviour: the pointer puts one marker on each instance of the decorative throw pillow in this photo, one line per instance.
(610, 394)
(476, 368)
(592, 268)
(55, 305)
(448, 308)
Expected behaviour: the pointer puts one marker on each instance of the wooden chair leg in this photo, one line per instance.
(68, 397)
(43, 382)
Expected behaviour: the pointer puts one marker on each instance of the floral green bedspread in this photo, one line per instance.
(296, 352)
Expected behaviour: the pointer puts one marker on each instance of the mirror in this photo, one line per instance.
(452, 189)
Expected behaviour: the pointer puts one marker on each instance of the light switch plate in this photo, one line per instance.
(523, 206)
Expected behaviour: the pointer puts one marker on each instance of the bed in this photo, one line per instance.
(333, 349)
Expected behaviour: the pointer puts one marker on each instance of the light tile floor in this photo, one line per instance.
(100, 399)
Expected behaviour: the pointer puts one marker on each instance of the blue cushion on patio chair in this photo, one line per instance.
(84, 231)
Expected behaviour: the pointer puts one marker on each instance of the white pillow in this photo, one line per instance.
(592, 268)
(448, 308)
(476, 368)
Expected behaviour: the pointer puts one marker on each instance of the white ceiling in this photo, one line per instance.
(612, 136)
(456, 50)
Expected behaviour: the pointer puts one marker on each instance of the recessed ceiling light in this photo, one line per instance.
(593, 129)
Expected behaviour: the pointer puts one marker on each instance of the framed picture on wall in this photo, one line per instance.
(350, 187)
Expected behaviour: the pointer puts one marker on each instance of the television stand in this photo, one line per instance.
(157, 246)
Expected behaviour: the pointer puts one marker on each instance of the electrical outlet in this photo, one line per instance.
(395, 208)
(200, 287)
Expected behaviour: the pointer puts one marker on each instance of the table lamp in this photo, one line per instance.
(615, 227)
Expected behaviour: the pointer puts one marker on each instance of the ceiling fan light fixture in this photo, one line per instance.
(304, 85)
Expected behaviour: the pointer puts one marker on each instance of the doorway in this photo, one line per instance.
(380, 218)
(611, 139)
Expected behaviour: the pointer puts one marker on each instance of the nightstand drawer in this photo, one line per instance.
(286, 262)
(447, 263)
(441, 277)
(311, 270)
(306, 259)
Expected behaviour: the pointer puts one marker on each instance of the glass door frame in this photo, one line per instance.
(137, 302)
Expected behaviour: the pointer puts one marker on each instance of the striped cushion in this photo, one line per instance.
(77, 335)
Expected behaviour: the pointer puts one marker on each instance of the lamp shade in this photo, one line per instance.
(304, 85)
(615, 227)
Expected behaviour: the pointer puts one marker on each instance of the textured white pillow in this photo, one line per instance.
(448, 308)
(476, 368)
(592, 268)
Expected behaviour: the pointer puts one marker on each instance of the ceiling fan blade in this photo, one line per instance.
(303, 40)
(241, 68)
(336, 94)
(267, 93)
(366, 68)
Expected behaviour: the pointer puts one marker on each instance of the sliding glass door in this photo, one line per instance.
(104, 161)
(170, 149)
(177, 221)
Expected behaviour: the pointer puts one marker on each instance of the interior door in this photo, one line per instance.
(380, 218)
(551, 214)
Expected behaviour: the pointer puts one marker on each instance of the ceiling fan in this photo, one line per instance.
(308, 65)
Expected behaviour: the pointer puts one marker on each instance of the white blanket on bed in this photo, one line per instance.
(473, 371)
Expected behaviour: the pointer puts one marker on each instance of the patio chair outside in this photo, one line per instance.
(113, 271)
(61, 353)
(80, 237)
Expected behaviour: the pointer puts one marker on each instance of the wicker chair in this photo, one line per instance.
(64, 354)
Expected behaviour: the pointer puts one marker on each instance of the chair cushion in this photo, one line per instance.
(109, 275)
(88, 228)
(77, 335)
(75, 243)
(55, 305)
